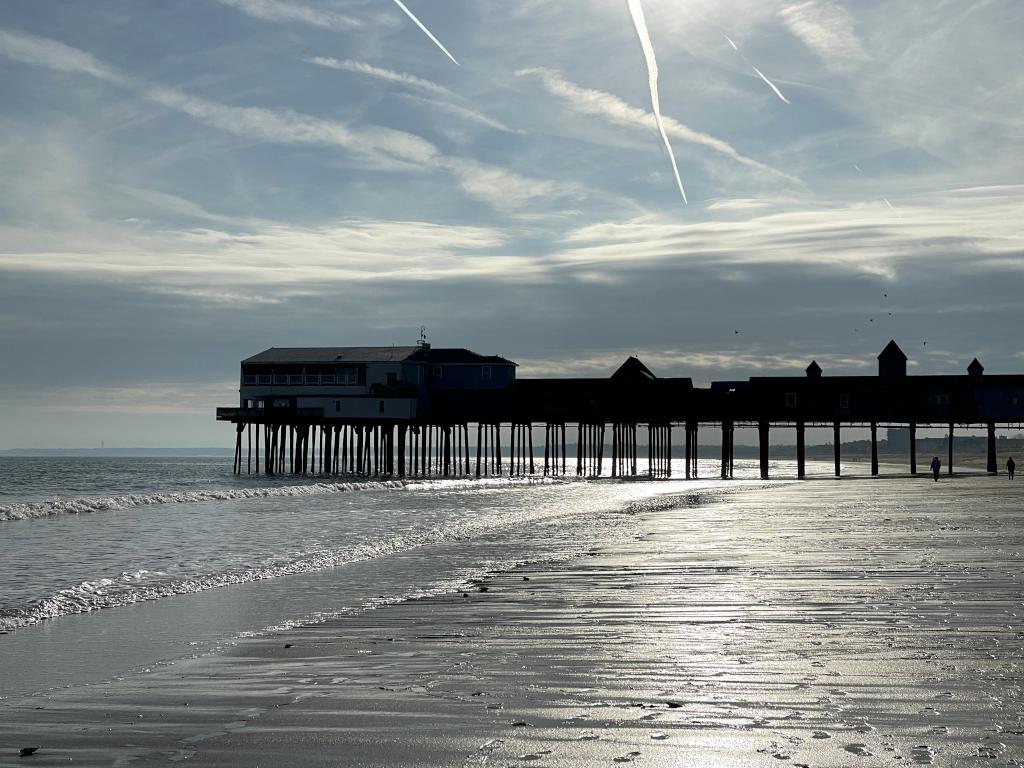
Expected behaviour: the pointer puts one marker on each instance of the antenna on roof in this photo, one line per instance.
(422, 341)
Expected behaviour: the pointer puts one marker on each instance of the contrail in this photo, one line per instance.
(637, 12)
(757, 71)
(426, 31)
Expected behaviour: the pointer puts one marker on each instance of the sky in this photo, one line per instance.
(188, 183)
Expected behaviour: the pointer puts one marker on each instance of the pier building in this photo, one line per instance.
(399, 411)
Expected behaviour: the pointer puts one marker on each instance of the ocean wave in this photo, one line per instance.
(52, 507)
(137, 586)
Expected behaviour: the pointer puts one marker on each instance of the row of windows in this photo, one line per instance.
(343, 376)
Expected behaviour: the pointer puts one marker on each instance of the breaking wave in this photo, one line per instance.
(35, 509)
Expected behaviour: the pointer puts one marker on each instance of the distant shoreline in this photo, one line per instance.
(118, 452)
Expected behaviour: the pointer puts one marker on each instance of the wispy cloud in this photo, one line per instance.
(390, 75)
(828, 30)
(46, 52)
(426, 31)
(464, 113)
(279, 10)
(384, 148)
(667, 362)
(593, 102)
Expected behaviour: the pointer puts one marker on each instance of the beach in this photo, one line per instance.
(826, 623)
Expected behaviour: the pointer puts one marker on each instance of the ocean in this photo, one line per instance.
(114, 565)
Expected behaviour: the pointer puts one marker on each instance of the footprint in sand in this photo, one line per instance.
(860, 750)
(535, 755)
(821, 735)
(922, 754)
(629, 757)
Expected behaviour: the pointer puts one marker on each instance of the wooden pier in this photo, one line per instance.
(446, 413)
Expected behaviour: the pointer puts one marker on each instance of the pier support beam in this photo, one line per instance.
(762, 442)
(874, 449)
(725, 450)
(801, 454)
(913, 448)
(992, 469)
(949, 468)
(836, 443)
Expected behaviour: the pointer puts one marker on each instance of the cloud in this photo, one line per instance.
(675, 362)
(385, 148)
(278, 10)
(465, 113)
(290, 127)
(593, 102)
(827, 29)
(45, 52)
(390, 75)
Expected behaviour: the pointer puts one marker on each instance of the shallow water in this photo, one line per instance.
(183, 557)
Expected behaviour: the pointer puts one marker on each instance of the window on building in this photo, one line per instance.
(1014, 400)
(312, 377)
(294, 378)
(485, 373)
(938, 399)
(280, 378)
(337, 406)
(791, 399)
(391, 379)
(263, 378)
(437, 371)
(844, 401)
(282, 403)
(348, 376)
(326, 378)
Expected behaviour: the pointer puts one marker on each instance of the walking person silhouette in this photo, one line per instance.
(1010, 466)
(936, 466)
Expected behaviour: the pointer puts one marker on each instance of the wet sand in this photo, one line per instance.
(826, 623)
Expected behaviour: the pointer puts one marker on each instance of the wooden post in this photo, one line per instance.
(732, 448)
(801, 453)
(666, 449)
(874, 449)
(547, 446)
(498, 448)
(465, 443)
(836, 446)
(949, 468)
(725, 450)
(529, 444)
(762, 441)
(992, 470)
(359, 448)
(512, 449)
(913, 448)
(447, 449)
(696, 449)
(479, 443)
(562, 443)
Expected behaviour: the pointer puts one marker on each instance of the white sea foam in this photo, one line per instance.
(36, 509)
(143, 585)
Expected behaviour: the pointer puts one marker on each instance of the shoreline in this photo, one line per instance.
(682, 642)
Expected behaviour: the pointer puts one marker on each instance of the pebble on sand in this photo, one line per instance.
(26, 751)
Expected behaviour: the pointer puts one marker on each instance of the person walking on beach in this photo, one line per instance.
(936, 466)
(1010, 466)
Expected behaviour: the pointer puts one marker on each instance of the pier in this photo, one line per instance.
(423, 412)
